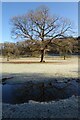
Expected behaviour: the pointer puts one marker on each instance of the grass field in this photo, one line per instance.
(35, 71)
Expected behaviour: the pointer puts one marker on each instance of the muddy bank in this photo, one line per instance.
(67, 108)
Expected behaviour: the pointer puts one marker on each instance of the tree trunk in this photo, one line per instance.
(42, 56)
(7, 58)
(64, 57)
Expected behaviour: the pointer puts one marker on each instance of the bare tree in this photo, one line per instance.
(66, 47)
(10, 50)
(40, 25)
(7, 49)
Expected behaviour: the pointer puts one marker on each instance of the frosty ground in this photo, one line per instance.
(58, 69)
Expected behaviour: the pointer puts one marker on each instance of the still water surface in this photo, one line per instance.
(21, 93)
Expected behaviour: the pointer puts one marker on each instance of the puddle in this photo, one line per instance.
(41, 92)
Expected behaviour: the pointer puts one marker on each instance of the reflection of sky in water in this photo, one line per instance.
(8, 93)
(0, 101)
(0, 92)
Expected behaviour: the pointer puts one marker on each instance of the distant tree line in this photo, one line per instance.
(31, 48)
